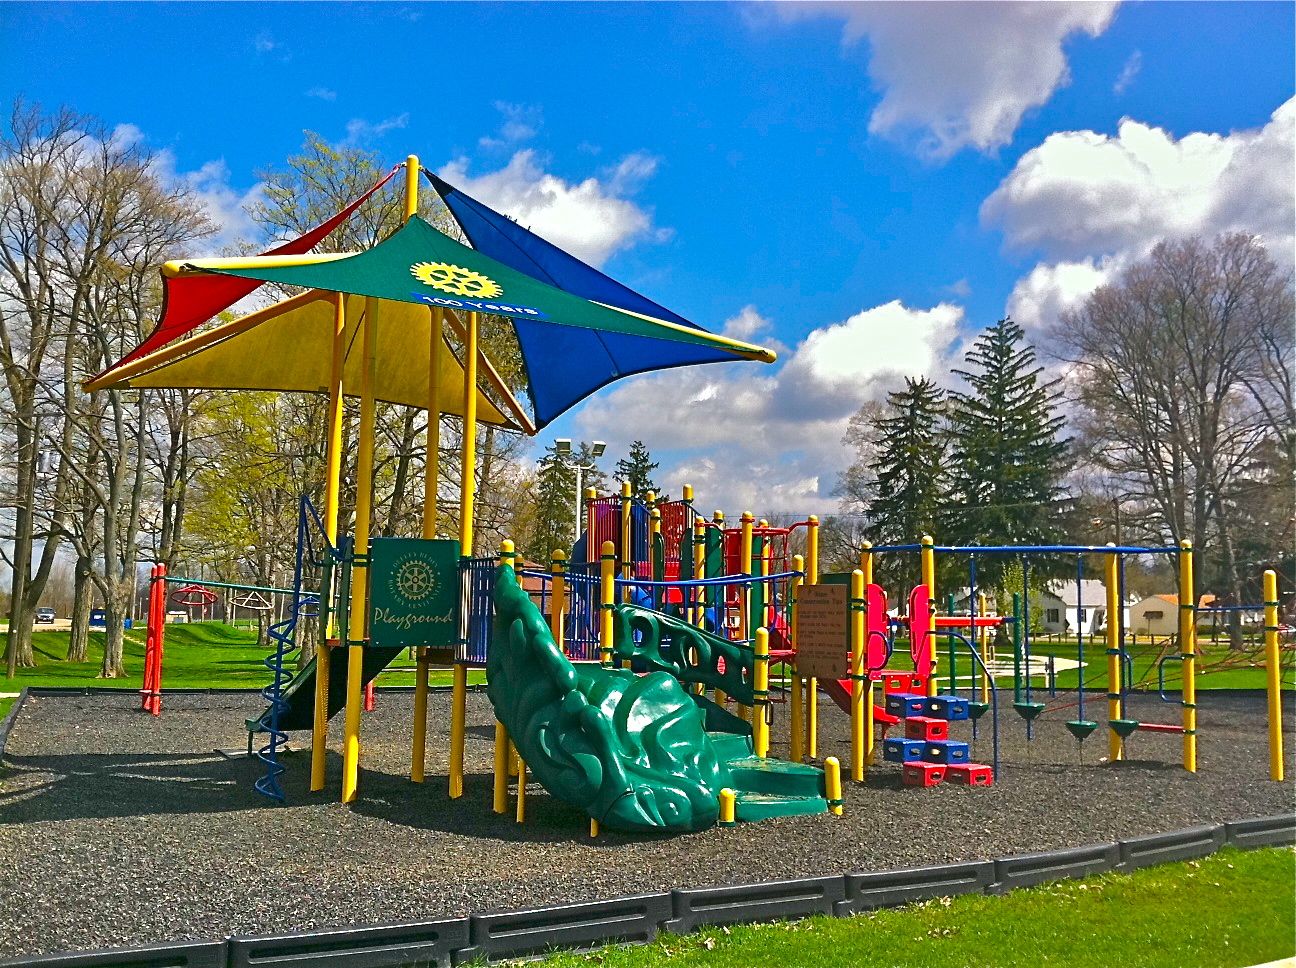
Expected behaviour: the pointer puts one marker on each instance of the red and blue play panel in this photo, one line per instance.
(946, 707)
(909, 682)
(926, 728)
(902, 750)
(972, 774)
(923, 774)
(905, 704)
(945, 751)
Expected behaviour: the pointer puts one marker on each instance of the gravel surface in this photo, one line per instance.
(117, 828)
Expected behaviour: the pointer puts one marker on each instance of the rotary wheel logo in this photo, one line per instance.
(414, 580)
(456, 280)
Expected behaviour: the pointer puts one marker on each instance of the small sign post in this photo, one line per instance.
(823, 631)
(414, 592)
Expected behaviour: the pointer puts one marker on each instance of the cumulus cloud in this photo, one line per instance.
(593, 219)
(769, 439)
(960, 75)
(1091, 203)
(361, 131)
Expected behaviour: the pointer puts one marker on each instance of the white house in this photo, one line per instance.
(1156, 616)
(1064, 607)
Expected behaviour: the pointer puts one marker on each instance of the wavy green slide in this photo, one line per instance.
(637, 751)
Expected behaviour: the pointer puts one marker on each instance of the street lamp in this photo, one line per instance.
(563, 447)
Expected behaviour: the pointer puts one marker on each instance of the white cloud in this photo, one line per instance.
(322, 93)
(360, 131)
(1090, 203)
(591, 219)
(520, 123)
(769, 439)
(1133, 64)
(959, 75)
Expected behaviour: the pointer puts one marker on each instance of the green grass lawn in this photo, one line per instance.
(1227, 911)
(196, 656)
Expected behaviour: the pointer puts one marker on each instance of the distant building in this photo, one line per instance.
(1156, 615)
(1063, 608)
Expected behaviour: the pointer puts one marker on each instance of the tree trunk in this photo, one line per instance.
(114, 641)
(79, 643)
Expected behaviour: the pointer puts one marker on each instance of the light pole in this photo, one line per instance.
(572, 460)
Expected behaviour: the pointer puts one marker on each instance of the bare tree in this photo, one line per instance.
(1183, 373)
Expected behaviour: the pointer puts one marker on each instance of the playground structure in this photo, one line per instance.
(600, 687)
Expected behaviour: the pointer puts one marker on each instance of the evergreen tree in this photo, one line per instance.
(637, 468)
(1007, 460)
(909, 473)
(555, 496)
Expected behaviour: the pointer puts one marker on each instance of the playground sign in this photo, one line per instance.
(823, 630)
(414, 588)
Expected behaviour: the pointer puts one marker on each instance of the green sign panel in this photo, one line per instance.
(413, 592)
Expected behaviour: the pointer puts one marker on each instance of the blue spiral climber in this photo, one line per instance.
(284, 635)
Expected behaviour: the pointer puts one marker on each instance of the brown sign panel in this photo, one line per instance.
(823, 631)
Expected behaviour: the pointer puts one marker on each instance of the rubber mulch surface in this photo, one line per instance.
(117, 828)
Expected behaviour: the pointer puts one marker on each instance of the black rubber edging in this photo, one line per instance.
(640, 918)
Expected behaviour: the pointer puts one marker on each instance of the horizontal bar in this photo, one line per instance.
(707, 582)
(203, 583)
(1033, 549)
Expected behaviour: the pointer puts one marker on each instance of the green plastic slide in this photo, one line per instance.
(637, 752)
(299, 694)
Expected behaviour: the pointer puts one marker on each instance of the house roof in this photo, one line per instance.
(1091, 593)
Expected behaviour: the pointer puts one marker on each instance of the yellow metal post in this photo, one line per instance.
(745, 591)
(727, 798)
(760, 694)
(797, 719)
(833, 785)
(857, 632)
(699, 570)
(458, 726)
(607, 602)
(411, 186)
(722, 608)
(983, 640)
(557, 595)
(812, 685)
(1111, 577)
(928, 561)
(520, 816)
(359, 622)
(870, 726)
(1188, 654)
(332, 488)
(1273, 673)
(431, 470)
(468, 482)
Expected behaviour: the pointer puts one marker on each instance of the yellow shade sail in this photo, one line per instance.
(288, 347)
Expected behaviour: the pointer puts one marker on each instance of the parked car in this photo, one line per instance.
(44, 616)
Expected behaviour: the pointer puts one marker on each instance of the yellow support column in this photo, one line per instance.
(721, 602)
(1188, 653)
(727, 801)
(359, 621)
(928, 561)
(627, 536)
(833, 785)
(557, 595)
(1273, 673)
(607, 602)
(760, 694)
(744, 594)
(983, 640)
(699, 570)
(857, 631)
(1111, 577)
(520, 816)
(332, 488)
(870, 726)
(812, 685)
(797, 725)
(431, 472)
(467, 499)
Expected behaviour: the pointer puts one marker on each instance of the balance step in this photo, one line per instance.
(762, 806)
(1081, 729)
(971, 774)
(910, 682)
(902, 750)
(945, 751)
(1123, 727)
(946, 707)
(754, 774)
(924, 727)
(923, 774)
(905, 704)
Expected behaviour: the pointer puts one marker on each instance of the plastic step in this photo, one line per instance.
(755, 774)
(763, 806)
(730, 746)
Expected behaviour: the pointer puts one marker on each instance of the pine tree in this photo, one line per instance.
(909, 473)
(637, 468)
(1007, 460)
(555, 496)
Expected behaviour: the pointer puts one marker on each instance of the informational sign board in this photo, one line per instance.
(823, 631)
(413, 592)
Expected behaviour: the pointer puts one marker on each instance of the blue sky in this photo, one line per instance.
(816, 177)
